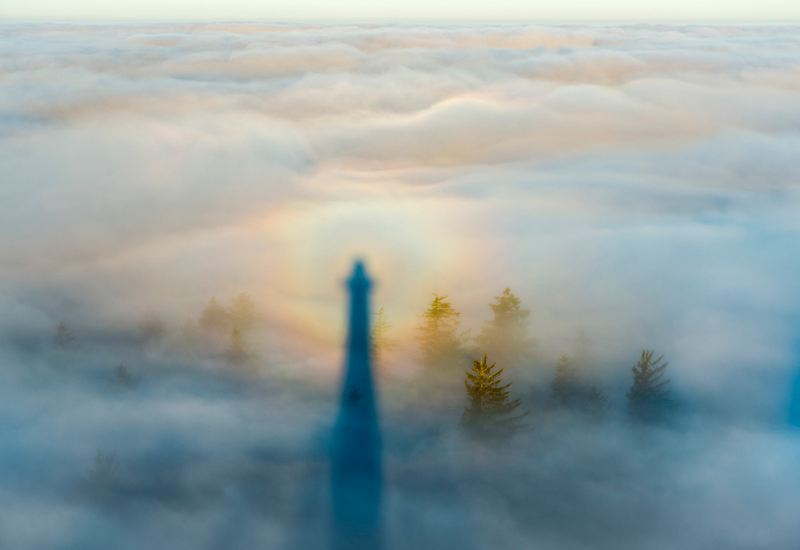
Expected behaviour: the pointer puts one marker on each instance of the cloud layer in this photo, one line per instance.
(573, 163)
(637, 184)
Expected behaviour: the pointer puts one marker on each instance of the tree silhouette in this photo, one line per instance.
(123, 377)
(214, 318)
(506, 334)
(63, 337)
(105, 468)
(649, 394)
(569, 391)
(152, 329)
(594, 401)
(490, 411)
(564, 387)
(237, 351)
(381, 342)
(242, 312)
(440, 343)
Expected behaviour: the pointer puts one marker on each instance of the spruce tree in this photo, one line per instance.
(152, 329)
(242, 312)
(569, 391)
(214, 318)
(506, 334)
(649, 394)
(63, 337)
(440, 343)
(237, 351)
(564, 387)
(123, 377)
(594, 402)
(490, 412)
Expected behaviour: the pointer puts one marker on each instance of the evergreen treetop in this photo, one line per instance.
(490, 408)
(507, 309)
(237, 352)
(570, 391)
(506, 334)
(565, 383)
(649, 392)
(438, 335)
(63, 337)
(243, 312)
(214, 318)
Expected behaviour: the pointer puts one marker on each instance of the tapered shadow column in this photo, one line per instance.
(356, 463)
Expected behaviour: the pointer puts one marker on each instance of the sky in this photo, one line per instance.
(714, 10)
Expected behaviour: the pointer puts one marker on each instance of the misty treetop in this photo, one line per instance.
(570, 389)
(241, 314)
(565, 382)
(441, 342)
(63, 337)
(232, 324)
(506, 335)
(649, 395)
(214, 317)
(152, 329)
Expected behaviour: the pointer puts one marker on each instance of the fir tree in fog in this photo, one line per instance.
(152, 329)
(441, 342)
(490, 412)
(237, 352)
(506, 334)
(564, 387)
(242, 313)
(649, 394)
(570, 390)
(123, 378)
(214, 318)
(63, 337)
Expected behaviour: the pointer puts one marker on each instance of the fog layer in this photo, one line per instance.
(636, 186)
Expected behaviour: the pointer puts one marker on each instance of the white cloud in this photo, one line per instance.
(637, 182)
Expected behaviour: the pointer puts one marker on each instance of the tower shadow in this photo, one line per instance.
(356, 455)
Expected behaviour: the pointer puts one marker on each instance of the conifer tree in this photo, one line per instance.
(237, 352)
(63, 337)
(243, 312)
(123, 377)
(440, 343)
(490, 411)
(596, 401)
(214, 318)
(506, 334)
(105, 469)
(649, 394)
(564, 387)
(568, 390)
(152, 329)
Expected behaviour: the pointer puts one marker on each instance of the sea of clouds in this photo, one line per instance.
(637, 185)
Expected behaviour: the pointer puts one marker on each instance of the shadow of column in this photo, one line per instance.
(356, 459)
